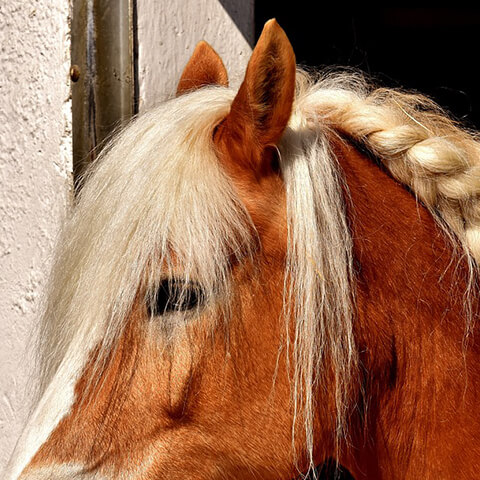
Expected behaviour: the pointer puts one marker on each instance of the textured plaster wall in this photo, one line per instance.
(168, 31)
(35, 179)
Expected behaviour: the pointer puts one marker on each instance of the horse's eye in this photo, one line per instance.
(173, 295)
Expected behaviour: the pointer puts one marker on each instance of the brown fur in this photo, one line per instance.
(417, 413)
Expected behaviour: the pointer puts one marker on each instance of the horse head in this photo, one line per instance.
(254, 281)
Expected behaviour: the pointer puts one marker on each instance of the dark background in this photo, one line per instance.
(431, 50)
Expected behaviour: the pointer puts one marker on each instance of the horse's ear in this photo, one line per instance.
(205, 67)
(263, 104)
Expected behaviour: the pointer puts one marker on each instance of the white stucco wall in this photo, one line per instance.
(168, 32)
(35, 170)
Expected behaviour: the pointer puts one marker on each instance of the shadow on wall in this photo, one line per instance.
(236, 11)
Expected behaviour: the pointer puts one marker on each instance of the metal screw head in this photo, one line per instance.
(74, 73)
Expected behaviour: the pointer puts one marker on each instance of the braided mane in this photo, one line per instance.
(422, 148)
(414, 139)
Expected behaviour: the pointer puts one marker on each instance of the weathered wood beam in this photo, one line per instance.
(103, 74)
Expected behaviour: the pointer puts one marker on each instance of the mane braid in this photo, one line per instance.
(423, 149)
(417, 143)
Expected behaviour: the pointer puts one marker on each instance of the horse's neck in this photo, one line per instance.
(419, 381)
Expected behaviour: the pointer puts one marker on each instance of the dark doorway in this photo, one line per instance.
(431, 50)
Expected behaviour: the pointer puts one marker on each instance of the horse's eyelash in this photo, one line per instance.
(173, 295)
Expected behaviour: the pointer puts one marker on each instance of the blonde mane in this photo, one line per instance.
(155, 204)
(159, 188)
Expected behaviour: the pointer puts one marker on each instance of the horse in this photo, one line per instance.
(255, 280)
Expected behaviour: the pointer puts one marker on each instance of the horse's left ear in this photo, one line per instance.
(205, 67)
(262, 107)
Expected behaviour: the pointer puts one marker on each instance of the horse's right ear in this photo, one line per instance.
(262, 107)
(205, 67)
